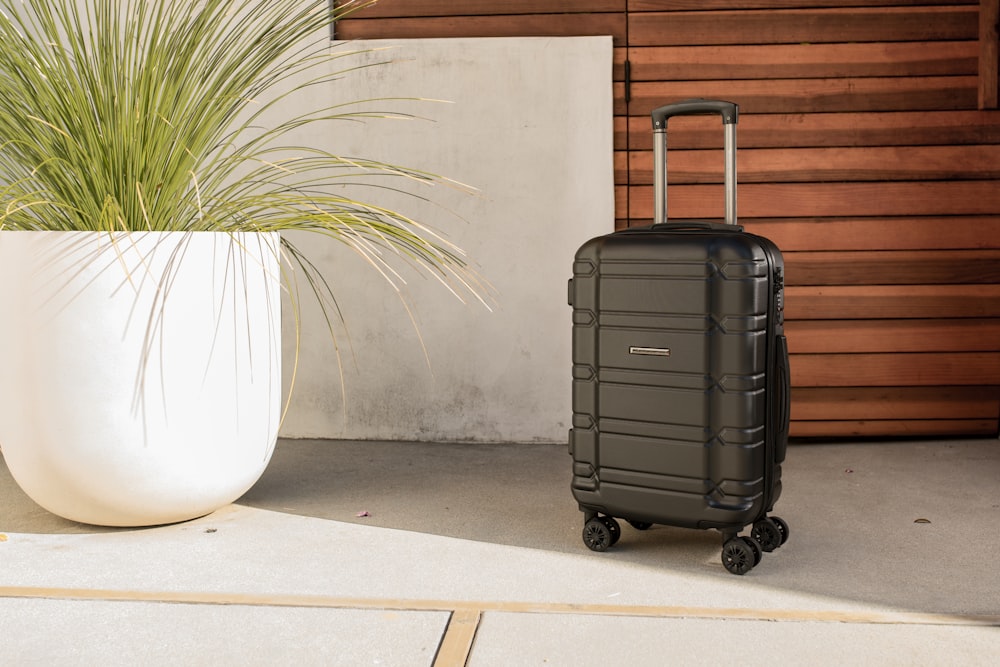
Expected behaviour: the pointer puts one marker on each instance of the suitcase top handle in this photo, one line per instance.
(730, 113)
(728, 110)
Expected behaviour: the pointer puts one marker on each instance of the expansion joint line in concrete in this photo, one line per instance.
(456, 644)
(466, 606)
(465, 616)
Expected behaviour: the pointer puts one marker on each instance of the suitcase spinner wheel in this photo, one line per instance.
(599, 533)
(770, 533)
(741, 554)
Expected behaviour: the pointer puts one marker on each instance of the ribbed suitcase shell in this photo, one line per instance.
(680, 382)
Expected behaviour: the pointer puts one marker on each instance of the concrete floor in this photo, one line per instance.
(471, 554)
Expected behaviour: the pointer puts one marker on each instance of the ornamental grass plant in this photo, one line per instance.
(134, 116)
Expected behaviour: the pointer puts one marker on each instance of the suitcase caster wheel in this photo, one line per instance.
(597, 535)
(614, 527)
(640, 525)
(782, 528)
(758, 552)
(768, 534)
(738, 556)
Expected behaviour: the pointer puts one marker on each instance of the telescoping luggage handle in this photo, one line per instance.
(729, 112)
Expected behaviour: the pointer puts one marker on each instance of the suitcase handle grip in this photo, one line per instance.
(730, 113)
(728, 110)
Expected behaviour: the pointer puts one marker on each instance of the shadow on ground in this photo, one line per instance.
(910, 525)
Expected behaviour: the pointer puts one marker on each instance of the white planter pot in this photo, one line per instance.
(140, 374)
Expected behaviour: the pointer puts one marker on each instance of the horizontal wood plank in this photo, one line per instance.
(893, 267)
(799, 200)
(895, 233)
(894, 428)
(892, 302)
(897, 403)
(803, 61)
(789, 165)
(864, 336)
(889, 233)
(931, 93)
(418, 8)
(703, 5)
(796, 26)
(524, 25)
(806, 130)
(895, 369)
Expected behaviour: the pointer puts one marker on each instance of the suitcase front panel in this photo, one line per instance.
(671, 340)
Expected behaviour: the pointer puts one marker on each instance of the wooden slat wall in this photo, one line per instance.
(864, 155)
(869, 151)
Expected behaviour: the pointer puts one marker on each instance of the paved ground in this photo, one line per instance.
(471, 554)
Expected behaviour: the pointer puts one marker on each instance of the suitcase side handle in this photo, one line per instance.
(730, 114)
(783, 383)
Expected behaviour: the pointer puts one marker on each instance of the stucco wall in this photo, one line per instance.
(528, 123)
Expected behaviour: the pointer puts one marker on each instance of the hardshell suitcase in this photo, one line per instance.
(680, 372)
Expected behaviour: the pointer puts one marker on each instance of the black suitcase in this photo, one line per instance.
(680, 372)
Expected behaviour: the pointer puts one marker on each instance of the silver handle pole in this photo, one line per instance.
(730, 177)
(660, 175)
